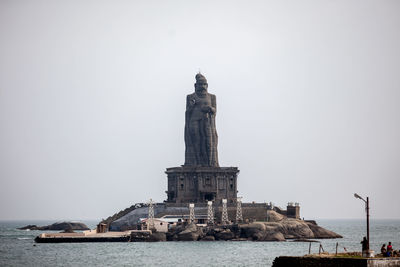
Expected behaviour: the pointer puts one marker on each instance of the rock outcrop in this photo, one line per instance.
(284, 229)
(278, 227)
(280, 230)
(59, 226)
(190, 233)
(322, 233)
(157, 236)
(262, 231)
(140, 236)
(225, 234)
(208, 238)
(148, 236)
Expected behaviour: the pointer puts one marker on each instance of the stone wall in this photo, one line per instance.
(250, 211)
(284, 261)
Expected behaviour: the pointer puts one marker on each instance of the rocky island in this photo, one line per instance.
(200, 192)
(282, 230)
(278, 227)
(202, 201)
(58, 226)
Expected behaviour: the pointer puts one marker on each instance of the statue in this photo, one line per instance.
(200, 133)
(201, 179)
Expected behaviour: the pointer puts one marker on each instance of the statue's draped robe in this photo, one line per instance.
(201, 137)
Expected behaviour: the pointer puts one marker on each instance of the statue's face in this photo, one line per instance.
(201, 87)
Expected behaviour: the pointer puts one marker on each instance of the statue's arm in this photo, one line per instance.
(210, 108)
(187, 102)
(213, 104)
(190, 102)
(189, 107)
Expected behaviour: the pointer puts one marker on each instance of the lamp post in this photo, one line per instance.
(367, 211)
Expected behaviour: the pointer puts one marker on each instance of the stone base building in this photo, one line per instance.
(188, 184)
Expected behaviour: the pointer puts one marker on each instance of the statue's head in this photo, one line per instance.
(201, 84)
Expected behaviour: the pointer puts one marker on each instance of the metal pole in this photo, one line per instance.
(150, 217)
(191, 213)
(210, 213)
(224, 216)
(239, 216)
(367, 222)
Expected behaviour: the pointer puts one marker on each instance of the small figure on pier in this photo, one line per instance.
(364, 243)
(383, 250)
(389, 249)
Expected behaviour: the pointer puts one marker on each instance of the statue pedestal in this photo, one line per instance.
(195, 184)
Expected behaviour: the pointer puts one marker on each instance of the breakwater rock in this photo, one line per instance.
(148, 236)
(256, 231)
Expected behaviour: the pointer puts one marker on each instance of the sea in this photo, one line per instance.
(18, 248)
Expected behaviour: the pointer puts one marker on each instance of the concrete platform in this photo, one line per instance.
(307, 261)
(86, 236)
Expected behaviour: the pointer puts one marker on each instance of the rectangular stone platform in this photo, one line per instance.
(89, 236)
(335, 262)
(187, 184)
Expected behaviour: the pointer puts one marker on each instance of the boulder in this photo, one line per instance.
(208, 238)
(292, 228)
(252, 230)
(274, 237)
(67, 225)
(140, 236)
(320, 232)
(271, 231)
(191, 233)
(148, 237)
(224, 235)
(273, 216)
(258, 236)
(284, 229)
(29, 227)
(157, 236)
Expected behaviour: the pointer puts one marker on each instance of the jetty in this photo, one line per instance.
(91, 236)
(335, 260)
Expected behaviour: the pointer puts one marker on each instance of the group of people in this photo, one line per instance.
(387, 251)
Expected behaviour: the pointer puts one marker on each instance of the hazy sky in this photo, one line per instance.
(92, 102)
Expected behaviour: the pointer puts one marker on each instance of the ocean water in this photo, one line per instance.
(17, 248)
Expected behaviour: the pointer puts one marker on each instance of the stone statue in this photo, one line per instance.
(200, 133)
(201, 179)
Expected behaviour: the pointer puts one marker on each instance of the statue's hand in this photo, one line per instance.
(208, 109)
(205, 109)
(191, 103)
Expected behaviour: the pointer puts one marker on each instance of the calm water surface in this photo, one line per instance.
(17, 248)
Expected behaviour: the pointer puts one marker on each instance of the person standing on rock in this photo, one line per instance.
(364, 243)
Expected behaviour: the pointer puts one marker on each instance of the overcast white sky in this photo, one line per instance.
(92, 101)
